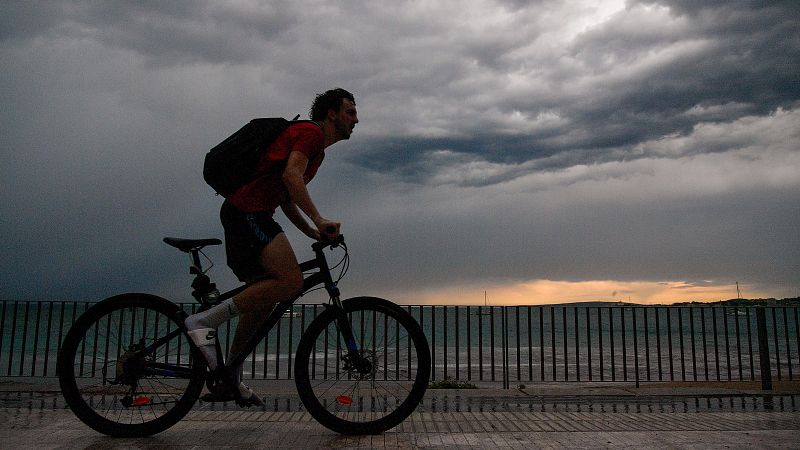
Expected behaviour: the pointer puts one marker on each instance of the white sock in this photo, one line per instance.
(214, 316)
(201, 327)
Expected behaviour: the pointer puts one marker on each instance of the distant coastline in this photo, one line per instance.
(794, 301)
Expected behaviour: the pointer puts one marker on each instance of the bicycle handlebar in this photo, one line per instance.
(332, 243)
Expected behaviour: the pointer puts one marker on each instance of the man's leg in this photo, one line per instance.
(256, 302)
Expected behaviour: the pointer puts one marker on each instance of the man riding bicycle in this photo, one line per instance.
(255, 244)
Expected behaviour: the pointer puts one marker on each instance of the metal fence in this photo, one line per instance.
(511, 345)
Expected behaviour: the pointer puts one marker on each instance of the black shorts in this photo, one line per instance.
(246, 235)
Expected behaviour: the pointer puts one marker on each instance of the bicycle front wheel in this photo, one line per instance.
(127, 370)
(380, 390)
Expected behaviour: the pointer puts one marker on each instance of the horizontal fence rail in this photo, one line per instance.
(511, 345)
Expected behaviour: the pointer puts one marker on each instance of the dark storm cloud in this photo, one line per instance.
(166, 33)
(645, 73)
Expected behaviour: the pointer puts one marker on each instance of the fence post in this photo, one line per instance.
(763, 349)
(505, 349)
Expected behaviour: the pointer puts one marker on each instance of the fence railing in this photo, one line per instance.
(511, 345)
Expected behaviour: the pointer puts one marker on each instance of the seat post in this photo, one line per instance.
(197, 266)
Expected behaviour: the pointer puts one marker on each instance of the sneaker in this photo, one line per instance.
(245, 398)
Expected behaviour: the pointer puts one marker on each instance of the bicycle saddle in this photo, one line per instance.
(187, 245)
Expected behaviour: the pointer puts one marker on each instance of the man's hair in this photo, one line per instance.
(328, 100)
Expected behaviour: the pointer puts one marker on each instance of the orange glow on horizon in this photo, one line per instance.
(542, 292)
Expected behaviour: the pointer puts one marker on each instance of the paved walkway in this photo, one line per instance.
(35, 419)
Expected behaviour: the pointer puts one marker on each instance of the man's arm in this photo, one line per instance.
(298, 194)
(294, 215)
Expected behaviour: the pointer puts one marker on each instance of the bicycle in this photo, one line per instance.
(129, 378)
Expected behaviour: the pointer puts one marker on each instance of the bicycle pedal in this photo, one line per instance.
(254, 400)
(219, 394)
(215, 398)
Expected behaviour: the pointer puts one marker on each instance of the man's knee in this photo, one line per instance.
(292, 282)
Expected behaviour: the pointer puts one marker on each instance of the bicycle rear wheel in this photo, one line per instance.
(114, 383)
(350, 400)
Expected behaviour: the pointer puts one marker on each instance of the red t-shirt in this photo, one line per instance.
(267, 191)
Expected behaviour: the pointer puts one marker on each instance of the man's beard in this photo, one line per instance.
(341, 129)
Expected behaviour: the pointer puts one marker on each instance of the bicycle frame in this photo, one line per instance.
(322, 276)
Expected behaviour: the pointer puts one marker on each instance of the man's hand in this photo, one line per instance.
(328, 229)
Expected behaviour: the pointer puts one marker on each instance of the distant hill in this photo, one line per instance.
(750, 302)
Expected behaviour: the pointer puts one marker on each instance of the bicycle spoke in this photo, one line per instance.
(364, 389)
(115, 380)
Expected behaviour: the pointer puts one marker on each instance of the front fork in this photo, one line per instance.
(354, 359)
(345, 328)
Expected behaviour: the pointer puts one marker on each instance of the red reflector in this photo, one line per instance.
(344, 400)
(141, 401)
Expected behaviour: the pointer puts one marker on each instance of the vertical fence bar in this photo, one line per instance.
(530, 345)
(516, 330)
(691, 334)
(445, 335)
(797, 331)
(553, 339)
(705, 340)
(763, 349)
(433, 343)
(47, 336)
(611, 343)
(727, 340)
(589, 340)
(600, 342)
(577, 346)
(2, 325)
(636, 343)
(680, 336)
(786, 336)
(278, 349)
(266, 355)
(504, 325)
(775, 338)
(566, 343)
(658, 343)
(469, 346)
(541, 341)
(692, 340)
(13, 336)
(750, 345)
(491, 340)
(738, 342)
(669, 342)
(716, 344)
(25, 322)
(624, 344)
(645, 315)
(480, 343)
(457, 347)
(290, 348)
(36, 324)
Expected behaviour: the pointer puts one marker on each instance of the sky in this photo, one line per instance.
(526, 152)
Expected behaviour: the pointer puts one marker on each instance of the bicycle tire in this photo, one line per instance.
(346, 401)
(92, 361)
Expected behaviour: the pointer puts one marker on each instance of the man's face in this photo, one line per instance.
(345, 119)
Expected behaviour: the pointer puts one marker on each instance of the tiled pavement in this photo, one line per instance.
(26, 425)
(58, 429)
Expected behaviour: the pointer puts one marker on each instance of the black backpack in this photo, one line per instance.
(232, 163)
